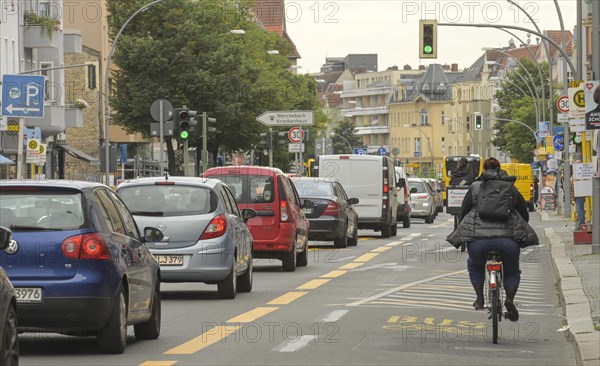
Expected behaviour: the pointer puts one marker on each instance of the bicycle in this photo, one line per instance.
(493, 289)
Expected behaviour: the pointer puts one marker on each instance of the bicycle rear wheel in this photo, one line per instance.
(495, 316)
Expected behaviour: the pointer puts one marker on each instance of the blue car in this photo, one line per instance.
(79, 263)
(9, 337)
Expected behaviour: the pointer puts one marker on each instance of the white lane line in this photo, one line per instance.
(334, 316)
(347, 258)
(400, 288)
(295, 344)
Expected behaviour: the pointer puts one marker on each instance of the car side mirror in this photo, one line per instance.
(308, 204)
(153, 234)
(247, 214)
(5, 235)
(401, 183)
(353, 201)
(413, 190)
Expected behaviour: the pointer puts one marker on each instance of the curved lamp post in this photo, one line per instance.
(537, 107)
(428, 143)
(107, 93)
(343, 138)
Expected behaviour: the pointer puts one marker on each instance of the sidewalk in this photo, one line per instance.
(578, 273)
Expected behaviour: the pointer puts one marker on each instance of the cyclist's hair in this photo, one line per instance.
(491, 163)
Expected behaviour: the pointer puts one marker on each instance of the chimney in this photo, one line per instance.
(407, 67)
(445, 67)
(421, 67)
(393, 68)
(454, 68)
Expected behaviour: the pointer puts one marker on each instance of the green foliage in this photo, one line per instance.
(517, 103)
(345, 128)
(183, 51)
(47, 24)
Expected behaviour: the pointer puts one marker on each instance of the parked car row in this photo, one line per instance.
(425, 200)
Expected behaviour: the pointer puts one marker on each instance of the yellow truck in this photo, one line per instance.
(524, 182)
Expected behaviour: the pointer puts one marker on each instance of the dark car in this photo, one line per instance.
(206, 237)
(9, 338)
(332, 217)
(78, 262)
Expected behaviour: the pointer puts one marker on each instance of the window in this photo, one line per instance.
(443, 144)
(424, 117)
(110, 212)
(131, 229)
(443, 118)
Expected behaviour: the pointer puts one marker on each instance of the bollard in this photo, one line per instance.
(596, 215)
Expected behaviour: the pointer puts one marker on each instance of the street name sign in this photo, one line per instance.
(286, 118)
(23, 95)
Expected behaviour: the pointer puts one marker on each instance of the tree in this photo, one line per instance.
(516, 103)
(183, 51)
(345, 128)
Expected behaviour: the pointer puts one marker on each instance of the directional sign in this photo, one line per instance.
(563, 103)
(361, 151)
(558, 142)
(23, 96)
(286, 118)
(296, 135)
(381, 151)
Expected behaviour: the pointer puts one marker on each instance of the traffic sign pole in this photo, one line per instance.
(161, 137)
(20, 149)
(271, 149)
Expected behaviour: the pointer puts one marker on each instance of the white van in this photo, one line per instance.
(371, 179)
(404, 206)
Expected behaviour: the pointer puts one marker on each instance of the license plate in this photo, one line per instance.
(29, 294)
(307, 210)
(169, 260)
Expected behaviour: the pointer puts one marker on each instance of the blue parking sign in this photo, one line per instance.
(361, 151)
(381, 151)
(23, 96)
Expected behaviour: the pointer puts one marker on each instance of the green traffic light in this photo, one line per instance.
(184, 134)
(427, 49)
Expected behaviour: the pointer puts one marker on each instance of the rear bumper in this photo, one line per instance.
(326, 229)
(283, 242)
(198, 266)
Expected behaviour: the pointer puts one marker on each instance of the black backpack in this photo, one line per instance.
(494, 199)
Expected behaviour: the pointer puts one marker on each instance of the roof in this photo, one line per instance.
(556, 36)
(242, 170)
(271, 15)
(174, 179)
(433, 85)
(58, 183)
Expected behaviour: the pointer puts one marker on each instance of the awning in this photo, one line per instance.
(79, 154)
(5, 160)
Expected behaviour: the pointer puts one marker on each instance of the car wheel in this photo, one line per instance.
(113, 337)
(386, 231)
(406, 222)
(244, 282)
(227, 288)
(302, 257)
(429, 219)
(289, 260)
(353, 241)
(151, 328)
(9, 348)
(394, 229)
(342, 242)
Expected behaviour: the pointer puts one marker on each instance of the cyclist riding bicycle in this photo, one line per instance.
(506, 236)
(462, 176)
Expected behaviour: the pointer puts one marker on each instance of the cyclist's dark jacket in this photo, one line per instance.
(472, 227)
(461, 177)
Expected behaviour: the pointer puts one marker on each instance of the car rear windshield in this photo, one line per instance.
(313, 188)
(35, 209)
(249, 189)
(168, 200)
(420, 186)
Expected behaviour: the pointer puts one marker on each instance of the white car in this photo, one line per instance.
(422, 202)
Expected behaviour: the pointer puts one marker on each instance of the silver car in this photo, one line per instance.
(205, 234)
(423, 205)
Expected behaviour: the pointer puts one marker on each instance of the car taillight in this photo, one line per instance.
(494, 267)
(283, 211)
(423, 196)
(216, 228)
(85, 246)
(331, 209)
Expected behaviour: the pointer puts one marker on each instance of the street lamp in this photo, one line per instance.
(537, 107)
(343, 138)
(107, 91)
(469, 131)
(430, 149)
(519, 122)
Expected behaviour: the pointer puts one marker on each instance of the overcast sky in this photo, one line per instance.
(389, 28)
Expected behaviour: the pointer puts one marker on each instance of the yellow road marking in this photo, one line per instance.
(252, 315)
(366, 257)
(311, 285)
(213, 335)
(286, 298)
(393, 319)
(333, 274)
(380, 249)
(393, 244)
(158, 363)
(350, 266)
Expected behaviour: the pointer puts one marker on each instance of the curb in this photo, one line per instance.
(575, 304)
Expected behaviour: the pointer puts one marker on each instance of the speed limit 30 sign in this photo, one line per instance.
(296, 135)
(563, 104)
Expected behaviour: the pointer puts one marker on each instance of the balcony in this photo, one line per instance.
(40, 31)
(373, 130)
(355, 93)
(73, 117)
(53, 121)
(368, 111)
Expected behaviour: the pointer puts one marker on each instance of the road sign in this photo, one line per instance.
(286, 118)
(296, 135)
(576, 103)
(592, 104)
(563, 103)
(33, 151)
(167, 128)
(295, 147)
(558, 142)
(167, 110)
(361, 151)
(23, 96)
(381, 151)
(562, 118)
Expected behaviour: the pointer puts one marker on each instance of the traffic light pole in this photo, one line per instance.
(271, 148)
(186, 158)
(204, 142)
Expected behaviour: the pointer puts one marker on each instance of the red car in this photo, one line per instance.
(280, 228)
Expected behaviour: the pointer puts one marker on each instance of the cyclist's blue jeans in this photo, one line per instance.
(510, 260)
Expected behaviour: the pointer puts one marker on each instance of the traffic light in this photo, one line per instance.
(280, 139)
(428, 38)
(184, 121)
(478, 121)
(266, 140)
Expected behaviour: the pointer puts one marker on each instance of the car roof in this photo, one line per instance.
(244, 170)
(201, 181)
(316, 179)
(58, 183)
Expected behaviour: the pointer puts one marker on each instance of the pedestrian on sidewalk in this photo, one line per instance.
(579, 203)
